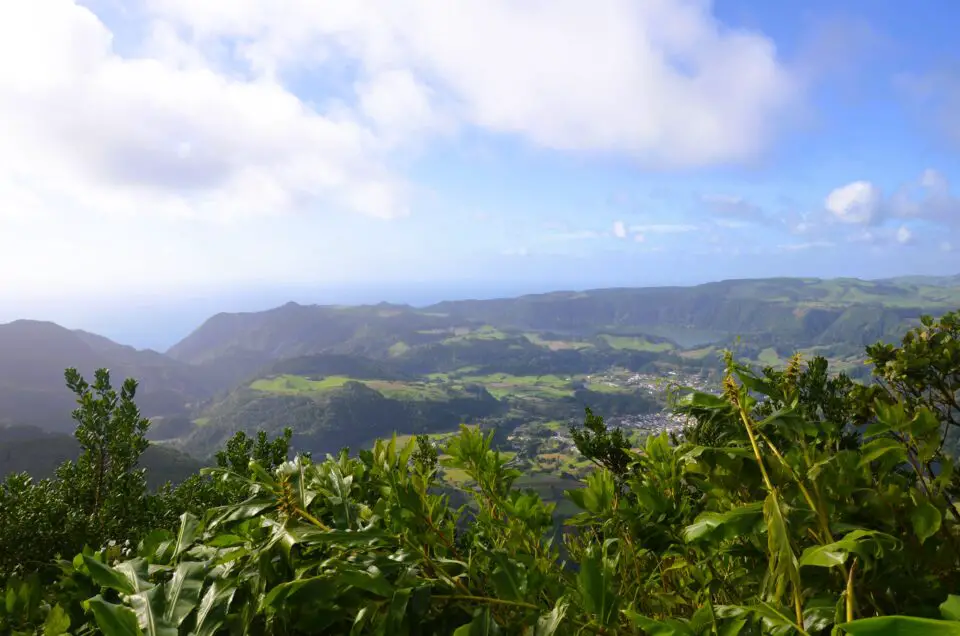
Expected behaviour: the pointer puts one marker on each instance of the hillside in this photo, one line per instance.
(329, 370)
(32, 450)
(33, 356)
(805, 312)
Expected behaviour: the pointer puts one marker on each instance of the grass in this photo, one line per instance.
(769, 357)
(635, 343)
(410, 391)
(201, 421)
(502, 385)
(698, 354)
(556, 345)
(485, 332)
(299, 385)
(457, 373)
(604, 387)
(398, 349)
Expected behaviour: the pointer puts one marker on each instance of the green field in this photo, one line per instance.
(398, 349)
(556, 345)
(502, 385)
(769, 357)
(485, 332)
(635, 343)
(411, 391)
(603, 387)
(698, 354)
(299, 385)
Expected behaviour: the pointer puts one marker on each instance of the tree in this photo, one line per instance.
(100, 497)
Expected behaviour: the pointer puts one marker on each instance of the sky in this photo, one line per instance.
(165, 154)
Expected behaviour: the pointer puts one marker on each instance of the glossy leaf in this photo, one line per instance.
(114, 620)
(901, 626)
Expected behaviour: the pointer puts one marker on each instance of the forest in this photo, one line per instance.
(798, 501)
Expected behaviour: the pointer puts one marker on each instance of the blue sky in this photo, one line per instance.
(174, 149)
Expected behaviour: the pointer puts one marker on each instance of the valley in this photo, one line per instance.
(525, 367)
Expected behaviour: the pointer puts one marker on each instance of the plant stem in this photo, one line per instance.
(851, 601)
(485, 599)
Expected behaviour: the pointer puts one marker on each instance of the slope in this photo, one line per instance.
(33, 356)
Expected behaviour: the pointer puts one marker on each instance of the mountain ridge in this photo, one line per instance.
(560, 332)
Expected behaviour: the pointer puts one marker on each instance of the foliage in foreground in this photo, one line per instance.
(795, 503)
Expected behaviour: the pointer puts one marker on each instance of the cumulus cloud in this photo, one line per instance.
(229, 112)
(140, 136)
(677, 88)
(904, 235)
(927, 198)
(619, 229)
(857, 202)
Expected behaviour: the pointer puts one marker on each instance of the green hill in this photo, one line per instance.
(39, 453)
(33, 356)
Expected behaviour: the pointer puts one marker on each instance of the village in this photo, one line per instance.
(553, 437)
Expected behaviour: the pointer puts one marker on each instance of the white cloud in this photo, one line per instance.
(126, 150)
(640, 238)
(141, 136)
(927, 198)
(857, 202)
(676, 87)
(619, 229)
(904, 235)
(663, 228)
(794, 247)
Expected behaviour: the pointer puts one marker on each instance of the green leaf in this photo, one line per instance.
(149, 607)
(186, 534)
(252, 507)
(373, 582)
(105, 576)
(900, 626)
(57, 623)
(213, 609)
(595, 582)
(509, 578)
(724, 525)
(926, 520)
(183, 591)
(866, 543)
(881, 447)
(699, 400)
(548, 623)
(783, 564)
(318, 586)
(397, 610)
(950, 608)
(481, 625)
(114, 620)
(665, 627)
(137, 573)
